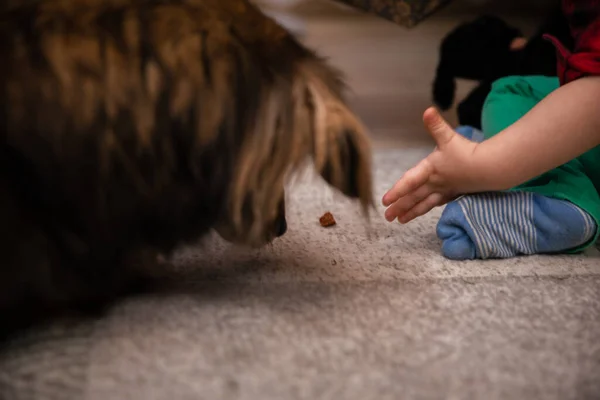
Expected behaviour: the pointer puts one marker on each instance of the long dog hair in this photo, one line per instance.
(131, 127)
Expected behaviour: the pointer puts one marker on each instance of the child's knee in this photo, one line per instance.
(507, 84)
(531, 88)
(512, 97)
(505, 90)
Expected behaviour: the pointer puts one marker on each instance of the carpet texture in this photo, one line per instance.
(348, 312)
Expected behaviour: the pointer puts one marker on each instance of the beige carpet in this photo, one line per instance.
(341, 313)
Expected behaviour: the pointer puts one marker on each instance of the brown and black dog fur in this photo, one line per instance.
(131, 127)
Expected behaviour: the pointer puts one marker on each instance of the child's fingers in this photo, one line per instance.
(406, 203)
(411, 181)
(437, 126)
(422, 208)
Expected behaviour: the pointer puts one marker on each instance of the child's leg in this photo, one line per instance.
(556, 212)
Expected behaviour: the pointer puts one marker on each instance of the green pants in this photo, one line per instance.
(577, 181)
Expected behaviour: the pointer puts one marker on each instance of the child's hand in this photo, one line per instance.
(446, 173)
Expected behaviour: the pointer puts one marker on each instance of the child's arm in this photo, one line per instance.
(561, 127)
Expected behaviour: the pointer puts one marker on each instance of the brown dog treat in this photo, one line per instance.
(327, 220)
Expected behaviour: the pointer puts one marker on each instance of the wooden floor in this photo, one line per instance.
(390, 68)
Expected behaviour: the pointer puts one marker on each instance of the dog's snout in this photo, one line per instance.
(281, 227)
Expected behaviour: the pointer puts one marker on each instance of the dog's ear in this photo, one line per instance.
(444, 87)
(340, 144)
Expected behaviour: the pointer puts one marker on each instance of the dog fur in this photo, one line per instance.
(132, 127)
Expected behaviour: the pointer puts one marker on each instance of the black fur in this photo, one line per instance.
(480, 50)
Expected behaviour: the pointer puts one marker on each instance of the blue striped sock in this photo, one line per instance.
(509, 224)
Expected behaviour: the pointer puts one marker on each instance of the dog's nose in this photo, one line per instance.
(281, 227)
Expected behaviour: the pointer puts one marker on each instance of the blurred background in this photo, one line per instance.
(391, 67)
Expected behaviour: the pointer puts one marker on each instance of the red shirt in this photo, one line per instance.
(584, 58)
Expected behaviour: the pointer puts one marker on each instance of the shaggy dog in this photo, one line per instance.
(132, 127)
